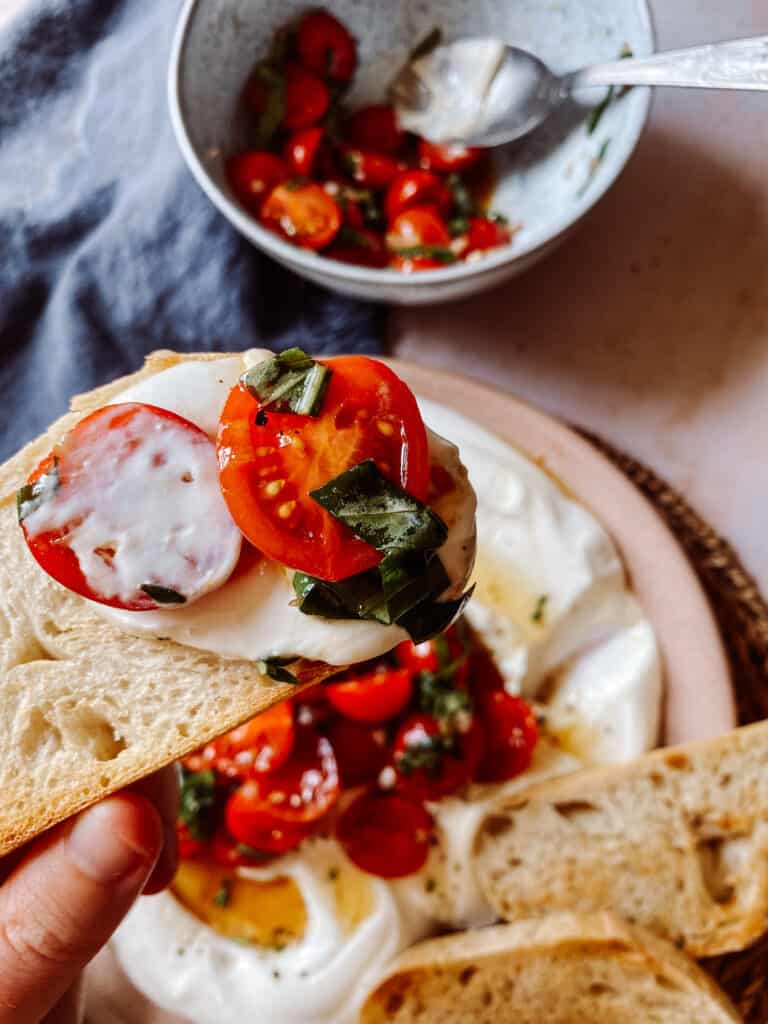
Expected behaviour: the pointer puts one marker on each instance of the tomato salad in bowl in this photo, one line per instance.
(352, 184)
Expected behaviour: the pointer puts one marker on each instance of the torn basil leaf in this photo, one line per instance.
(439, 253)
(357, 597)
(30, 497)
(463, 201)
(290, 381)
(197, 803)
(379, 512)
(410, 577)
(274, 668)
(163, 595)
(432, 617)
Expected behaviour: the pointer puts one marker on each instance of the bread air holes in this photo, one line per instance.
(92, 733)
(39, 736)
(722, 863)
(577, 812)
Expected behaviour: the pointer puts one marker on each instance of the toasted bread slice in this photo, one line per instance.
(563, 969)
(88, 709)
(676, 841)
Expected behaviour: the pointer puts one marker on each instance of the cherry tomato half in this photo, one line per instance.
(325, 46)
(510, 732)
(306, 98)
(373, 170)
(188, 847)
(418, 226)
(267, 470)
(260, 745)
(303, 213)
(416, 188)
(385, 834)
(361, 751)
(425, 769)
(447, 157)
(376, 128)
(486, 234)
(374, 697)
(301, 151)
(253, 175)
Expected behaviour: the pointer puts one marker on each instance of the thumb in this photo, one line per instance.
(67, 896)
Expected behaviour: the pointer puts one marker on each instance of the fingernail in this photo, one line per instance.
(103, 851)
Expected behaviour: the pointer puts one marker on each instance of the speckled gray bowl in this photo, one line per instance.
(547, 182)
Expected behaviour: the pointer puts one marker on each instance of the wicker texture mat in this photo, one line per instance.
(742, 615)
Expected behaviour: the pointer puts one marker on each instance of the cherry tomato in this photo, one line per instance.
(385, 834)
(447, 157)
(484, 670)
(259, 745)
(416, 188)
(189, 848)
(413, 264)
(268, 469)
(359, 246)
(511, 734)
(376, 128)
(303, 213)
(301, 151)
(433, 655)
(225, 849)
(419, 226)
(118, 455)
(373, 170)
(426, 769)
(486, 234)
(373, 697)
(306, 98)
(253, 175)
(325, 46)
(361, 751)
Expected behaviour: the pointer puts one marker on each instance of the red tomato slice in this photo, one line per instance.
(267, 470)
(301, 151)
(306, 98)
(253, 175)
(433, 655)
(325, 46)
(486, 234)
(361, 751)
(359, 246)
(385, 834)
(416, 188)
(448, 157)
(373, 170)
(511, 734)
(259, 745)
(374, 697)
(376, 128)
(120, 455)
(303, 213)
(435, 772)
(413, 264)
(418, 226)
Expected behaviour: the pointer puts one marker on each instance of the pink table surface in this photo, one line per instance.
(650, 325)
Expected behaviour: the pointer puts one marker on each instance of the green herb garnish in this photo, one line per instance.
(162, 595)
(439, 253)
(439, 698)
(596, 114)
(422, 753)
(271, 117)
(431, 617)
(290, 381)
(537, 615)
(463, 201)
(274, 668)
(249, 851)
(30, 497)
(223, 896)
(197, 802)
(426, 45)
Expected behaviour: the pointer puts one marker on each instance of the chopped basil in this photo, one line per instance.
(439, 253)
(273, 112)
(290, 381)
(463, 201)
(223, 895)
(537, 615)
(197, 802)
(379, 512)
(431, 617)
(30, 497)
(458, 226)
(426, 45)
(596, 114)
(422, 753)
(274, 668)
(349, 236)
(249, 851)
(162, 595)
(438, 697)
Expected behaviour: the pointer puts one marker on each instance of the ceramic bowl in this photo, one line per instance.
(546, 182)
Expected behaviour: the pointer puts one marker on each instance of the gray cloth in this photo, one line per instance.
(108, 248)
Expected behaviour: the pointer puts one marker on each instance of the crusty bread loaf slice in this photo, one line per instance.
(676, 841)
(563, 969)
(86, 708)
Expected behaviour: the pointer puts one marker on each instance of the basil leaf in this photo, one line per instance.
(408, 578)
(197, 802)
(163, 595)
(440, 253)
(463, 200)
(426, 45)
(432, 617)
(290, 381)
(357, 597)
(438, 696)
(30, 497)
(274, 668)
(271, 117)
(379, 512)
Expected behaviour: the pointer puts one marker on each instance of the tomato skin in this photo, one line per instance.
(318, 449)
(306, 98)
(449, 771)
(374, 697)
(301, 151)
(361, 751)
(486, 234)
(252, 176)
(413, 264)
(385, 834)
(418, 226)
(326, 47)
(371, 252)
(373, 170)
(188, 848)
(416, 188)
(262, 744)
(303, 213)
(250, 821)
(511, 734)
(375, 128)
(448, 157)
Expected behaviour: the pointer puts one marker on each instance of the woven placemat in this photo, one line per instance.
(742, 615)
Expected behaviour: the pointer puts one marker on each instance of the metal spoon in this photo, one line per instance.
(483, 92)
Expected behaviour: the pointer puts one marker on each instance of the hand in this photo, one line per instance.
(65, 893)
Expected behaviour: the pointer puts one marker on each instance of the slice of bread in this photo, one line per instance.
(676, 841)
(86, 708)
(563, 969)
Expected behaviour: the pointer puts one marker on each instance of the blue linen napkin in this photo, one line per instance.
(108, 248)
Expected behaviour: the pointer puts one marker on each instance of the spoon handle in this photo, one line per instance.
(739, 64)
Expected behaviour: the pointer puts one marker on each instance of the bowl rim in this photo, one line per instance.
(314, 263)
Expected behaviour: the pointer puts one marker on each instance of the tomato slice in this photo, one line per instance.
(511, 734)
(361, 750)
(418, 226)
(448, 157)
(416, 188)
(303, 213)
(260, 745)
(486, 234)
(136, 520)
(326, 47)
(301, 151)
(375, 127)
(374, 697)
(425, 770)
(373, 170)
(268, 469)
(385, 834)
(253, 175)
(306, 98)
